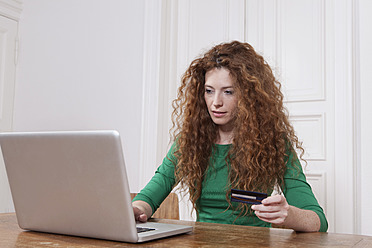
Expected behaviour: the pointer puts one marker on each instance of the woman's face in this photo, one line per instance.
(220, 97)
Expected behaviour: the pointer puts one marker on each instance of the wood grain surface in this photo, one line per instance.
(204, 235)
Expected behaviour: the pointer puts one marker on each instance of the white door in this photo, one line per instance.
(308, 44)
(291, 36)
(312, 48)
(8, 40)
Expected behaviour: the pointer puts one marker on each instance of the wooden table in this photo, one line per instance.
(204, 235)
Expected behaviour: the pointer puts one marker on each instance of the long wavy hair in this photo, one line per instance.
(262, 134)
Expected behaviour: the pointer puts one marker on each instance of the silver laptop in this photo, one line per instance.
(74, 183)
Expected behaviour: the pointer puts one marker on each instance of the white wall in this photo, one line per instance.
(80, 67)
(365, 53)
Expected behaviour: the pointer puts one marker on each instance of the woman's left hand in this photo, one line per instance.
(274, 209)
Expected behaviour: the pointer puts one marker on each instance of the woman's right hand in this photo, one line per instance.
(142, 211)
(139, 215)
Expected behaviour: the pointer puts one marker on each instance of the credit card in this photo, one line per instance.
(248, 197)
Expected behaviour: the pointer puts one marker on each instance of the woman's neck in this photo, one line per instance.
(225, 137)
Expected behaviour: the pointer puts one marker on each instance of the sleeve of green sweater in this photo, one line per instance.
(160, 185)
(299, 193)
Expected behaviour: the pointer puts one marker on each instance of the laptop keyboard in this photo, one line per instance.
(144, 229)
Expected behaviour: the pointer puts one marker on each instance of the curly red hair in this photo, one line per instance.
(262, 134)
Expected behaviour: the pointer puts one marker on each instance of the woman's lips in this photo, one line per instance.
(218, 113)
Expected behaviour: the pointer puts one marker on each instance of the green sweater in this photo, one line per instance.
(213, 206)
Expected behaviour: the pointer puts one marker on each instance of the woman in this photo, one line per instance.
(231, 131)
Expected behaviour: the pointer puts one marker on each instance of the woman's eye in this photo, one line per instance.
(208, 91)
(229, 92)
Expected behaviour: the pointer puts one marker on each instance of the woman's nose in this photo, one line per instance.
(217, 101)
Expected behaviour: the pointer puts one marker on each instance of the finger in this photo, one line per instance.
(275, 199)
(267, 208)
(275, 218)
(137, 211)
(139, 215)
(142, 218)
(270, 215)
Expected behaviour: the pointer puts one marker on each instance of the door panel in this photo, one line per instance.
(8, 35)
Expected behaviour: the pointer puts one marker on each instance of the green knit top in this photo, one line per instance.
(212, 204)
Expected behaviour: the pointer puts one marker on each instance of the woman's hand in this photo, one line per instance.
(142, 211)
(274, 209)
(139, 215)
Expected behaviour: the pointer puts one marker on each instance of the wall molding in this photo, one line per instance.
(8, 48)
(11, 9)
(266, 22)
(346, 217)
(236, 27)
(183, 43)
(315, 122)
(317, 180)
(356, 117)
(315, 89)
(3, 50)
(150, 84)
(254, 29)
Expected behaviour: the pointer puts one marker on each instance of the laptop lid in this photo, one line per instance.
(73, 183)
